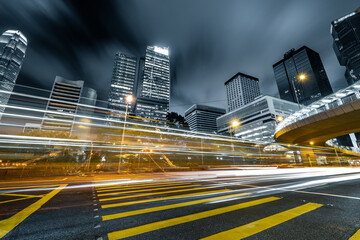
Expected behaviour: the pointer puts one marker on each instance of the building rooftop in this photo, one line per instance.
(291, 53)
(241, 74)
(260, 98)
(204, 108)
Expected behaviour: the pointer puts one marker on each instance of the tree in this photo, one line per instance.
(176, 118)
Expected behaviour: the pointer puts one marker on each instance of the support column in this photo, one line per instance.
(308, 157)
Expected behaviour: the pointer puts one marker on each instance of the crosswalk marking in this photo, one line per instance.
(134, 185)
(154, 209)
(146, 190)
(356, 236)
(165, 198)
(8, 224)
(142, 187)
(8, 189)
(188, 218)
(21, 195)
(150, 194)
(13, 200)
(265, 223)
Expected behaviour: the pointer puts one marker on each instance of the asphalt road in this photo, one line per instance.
(259, 203)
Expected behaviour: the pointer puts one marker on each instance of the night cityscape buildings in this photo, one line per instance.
(122, 82)
(63, 104)
(346, 34)
(228, 158)
(258, 119)
(202, 118)
(12, 53)
(241, 89)
(153, 89)
(147, 79)
(306, 62)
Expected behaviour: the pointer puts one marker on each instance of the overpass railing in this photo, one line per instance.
(343, 96)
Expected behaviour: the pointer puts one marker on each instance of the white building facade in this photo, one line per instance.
(241, 89)
(258, 119)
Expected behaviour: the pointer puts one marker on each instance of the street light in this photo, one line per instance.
(233, 124)
(301, 77)
(280, 118)
(128, 99)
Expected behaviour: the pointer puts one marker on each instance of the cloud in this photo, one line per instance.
(209, 40)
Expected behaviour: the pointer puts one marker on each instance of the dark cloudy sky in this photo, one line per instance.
(209, 40)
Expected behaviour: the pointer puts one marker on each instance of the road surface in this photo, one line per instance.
(245, 203)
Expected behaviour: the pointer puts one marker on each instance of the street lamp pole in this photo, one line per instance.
(128, 99)
(234, 124)
(300, 77)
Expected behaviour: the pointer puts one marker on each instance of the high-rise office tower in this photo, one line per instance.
(240, 90)
(122, 82)
(202, 118)
(346, 34)
(153, 91)
(67, 99)
(301, 77)
(12, 53)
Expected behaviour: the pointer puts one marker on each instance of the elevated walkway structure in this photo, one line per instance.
(332, 116)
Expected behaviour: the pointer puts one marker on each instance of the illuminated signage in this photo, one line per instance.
(164, 51)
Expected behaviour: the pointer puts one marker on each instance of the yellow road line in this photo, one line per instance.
(162, 198)
(155, 209)
(356, 236)
(188, 218)
(134, 185)
(154, 193)
(26, 187)
(8, 224)
(141, 187)
(21, 195)
(265, 223)
(13, 200)
(146, 190)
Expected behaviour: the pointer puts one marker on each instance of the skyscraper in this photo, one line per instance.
(301, 77)
(12, 53)
(240, 90)
(202, 118)
(122, 82)
(153, 89)
(346, 34)
(63, 104)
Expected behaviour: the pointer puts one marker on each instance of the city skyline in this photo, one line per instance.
(158, 119)
(197, 63)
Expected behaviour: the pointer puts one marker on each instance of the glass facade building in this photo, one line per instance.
(296, 62)
(68, 99)
(202, 118)
(153, 88)
(122, 83)
(12, 53)
(258, 119)
(346, 34)
(240, 90)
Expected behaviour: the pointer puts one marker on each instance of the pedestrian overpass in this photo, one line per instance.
(332, 116)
